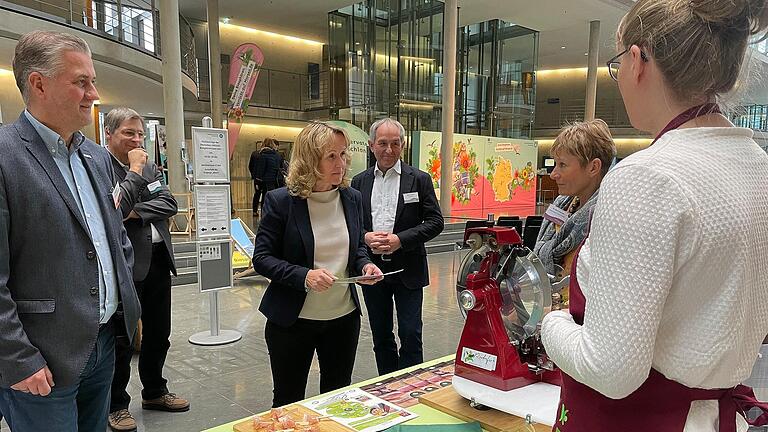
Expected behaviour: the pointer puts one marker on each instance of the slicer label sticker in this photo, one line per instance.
(479, 359)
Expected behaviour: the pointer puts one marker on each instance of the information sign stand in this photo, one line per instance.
(214, 245)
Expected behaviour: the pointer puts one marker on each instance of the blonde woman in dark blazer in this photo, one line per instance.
(311, 235)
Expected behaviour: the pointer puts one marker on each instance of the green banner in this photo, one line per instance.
(358, 147)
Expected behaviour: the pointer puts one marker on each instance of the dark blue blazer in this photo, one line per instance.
(416, 223)
(285, 249)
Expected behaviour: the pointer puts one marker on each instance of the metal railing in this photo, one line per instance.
(612, 111)
(274, 88)
(134, 23)
(751, 116)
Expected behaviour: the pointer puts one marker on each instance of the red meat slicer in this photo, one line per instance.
(504, 292)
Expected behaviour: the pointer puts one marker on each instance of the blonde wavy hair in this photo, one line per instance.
(310, 147)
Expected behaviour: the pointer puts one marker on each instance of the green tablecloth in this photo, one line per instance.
(427, 415)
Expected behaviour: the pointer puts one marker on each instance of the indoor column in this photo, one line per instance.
(173, 101)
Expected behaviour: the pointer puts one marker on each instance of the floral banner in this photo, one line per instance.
(490, 175)
(243, 72)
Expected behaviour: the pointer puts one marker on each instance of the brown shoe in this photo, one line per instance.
(167, 402)
(122, 420)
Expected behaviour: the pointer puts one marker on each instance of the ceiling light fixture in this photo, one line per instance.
(418, 59)
(271, 34)
(583, 70)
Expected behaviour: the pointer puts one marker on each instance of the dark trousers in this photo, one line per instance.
(78, 407)
(407, 302)
(256, 196)
(260, 191)
(291, 350)
(155, 297)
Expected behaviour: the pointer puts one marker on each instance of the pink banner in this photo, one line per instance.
(243, 73)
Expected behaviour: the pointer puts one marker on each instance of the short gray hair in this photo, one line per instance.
(117, 116)
(387, 120)
(42, 52)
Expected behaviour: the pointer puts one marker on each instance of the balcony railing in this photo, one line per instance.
(751, 116)
(131, 22)
(274, 88)
(612, 111)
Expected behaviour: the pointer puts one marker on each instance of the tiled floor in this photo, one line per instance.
(230, 382)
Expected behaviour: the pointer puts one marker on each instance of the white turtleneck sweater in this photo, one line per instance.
(329, 227)
(673, 271)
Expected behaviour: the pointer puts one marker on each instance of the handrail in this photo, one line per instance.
(276, 88)
(134, 23)
(753, 116)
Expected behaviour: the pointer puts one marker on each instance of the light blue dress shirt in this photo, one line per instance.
(74, 173)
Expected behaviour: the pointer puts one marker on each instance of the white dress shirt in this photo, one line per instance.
(386, 186)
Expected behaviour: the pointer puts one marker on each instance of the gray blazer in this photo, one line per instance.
(153, 208)
(49, 296)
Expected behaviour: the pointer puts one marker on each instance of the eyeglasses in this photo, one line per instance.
(613, 64)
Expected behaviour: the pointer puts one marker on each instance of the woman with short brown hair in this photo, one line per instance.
(583, 152)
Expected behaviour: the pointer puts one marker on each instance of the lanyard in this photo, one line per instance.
(688, 115)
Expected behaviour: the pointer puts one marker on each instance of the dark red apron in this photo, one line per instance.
(659, 404)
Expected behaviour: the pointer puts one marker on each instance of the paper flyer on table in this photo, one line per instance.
(360, 411)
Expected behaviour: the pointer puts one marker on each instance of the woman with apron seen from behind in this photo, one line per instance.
(667, 297)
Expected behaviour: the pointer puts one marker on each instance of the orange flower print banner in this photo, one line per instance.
(490, 175)
(243, 73)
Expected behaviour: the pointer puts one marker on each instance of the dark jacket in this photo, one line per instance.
(415, 224)
(285, 248)
(49, 274)
(152, 208)
(268, 166)
(252, 161)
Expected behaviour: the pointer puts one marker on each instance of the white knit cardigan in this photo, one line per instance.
(674, 270)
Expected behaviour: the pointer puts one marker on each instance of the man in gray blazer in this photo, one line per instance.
(65, 257)
(147, 225)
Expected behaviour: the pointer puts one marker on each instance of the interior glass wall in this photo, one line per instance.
(496, 70)
(385, 60)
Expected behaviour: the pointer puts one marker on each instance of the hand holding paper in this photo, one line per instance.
(365, 278)
(371, 275)
(319, 280)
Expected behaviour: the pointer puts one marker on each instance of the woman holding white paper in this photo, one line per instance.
(310, 238)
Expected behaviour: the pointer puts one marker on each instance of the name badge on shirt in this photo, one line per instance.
(556, 215)
(411, 197)
(154, 186)
(116, 194)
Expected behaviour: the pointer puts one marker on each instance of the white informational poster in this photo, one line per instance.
(211, 154)
(360, 411)
(212, 211)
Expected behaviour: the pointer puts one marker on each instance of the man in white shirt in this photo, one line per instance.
(400, 214)
(147, 224)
